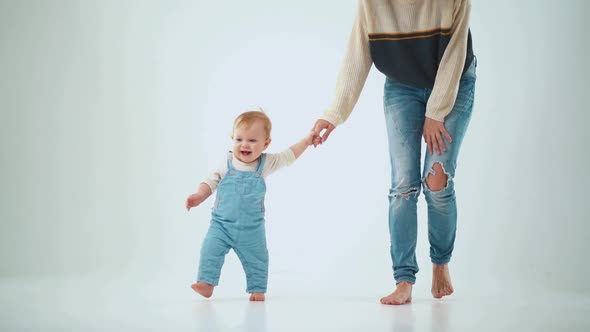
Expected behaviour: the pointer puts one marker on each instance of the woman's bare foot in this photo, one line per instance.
(257, 297)
(441, 281)
(203, 288)
(401, 295)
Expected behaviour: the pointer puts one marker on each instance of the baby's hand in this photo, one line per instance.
(193, 201)
(312, 139)
(317, 140)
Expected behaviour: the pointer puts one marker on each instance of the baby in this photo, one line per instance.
(238, 213)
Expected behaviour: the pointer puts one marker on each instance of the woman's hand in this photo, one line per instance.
(317, 130)
(433, 135)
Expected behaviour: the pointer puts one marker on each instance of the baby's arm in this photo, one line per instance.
(198, 197)
(299, 147)
(207, 187)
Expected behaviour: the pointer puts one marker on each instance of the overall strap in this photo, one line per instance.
(261, 164)
(230, 156)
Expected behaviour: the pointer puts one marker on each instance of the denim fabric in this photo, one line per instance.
(405, 108)
(238, 223)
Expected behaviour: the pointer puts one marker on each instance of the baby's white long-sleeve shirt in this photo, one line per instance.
(274, 162)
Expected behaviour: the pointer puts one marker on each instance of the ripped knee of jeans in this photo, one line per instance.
(437, 178)
(406, 193)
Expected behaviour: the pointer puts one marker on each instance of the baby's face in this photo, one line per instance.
(249, 141)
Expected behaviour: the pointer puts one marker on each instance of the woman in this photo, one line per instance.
(424, 49)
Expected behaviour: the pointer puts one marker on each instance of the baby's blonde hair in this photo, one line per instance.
(249, 117)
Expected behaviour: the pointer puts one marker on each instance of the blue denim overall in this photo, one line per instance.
(237, 222)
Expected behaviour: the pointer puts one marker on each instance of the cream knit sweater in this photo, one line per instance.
(423, 43)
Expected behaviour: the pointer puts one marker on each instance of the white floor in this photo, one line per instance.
(58, 304)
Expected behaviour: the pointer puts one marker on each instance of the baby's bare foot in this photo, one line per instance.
(203, 288)
(257, 297)
(441, 281)
(401, 295)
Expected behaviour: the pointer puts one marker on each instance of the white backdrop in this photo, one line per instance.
(112, 113)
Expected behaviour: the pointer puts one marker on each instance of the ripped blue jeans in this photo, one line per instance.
(405, 108)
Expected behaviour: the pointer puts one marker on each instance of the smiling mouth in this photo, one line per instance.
(246, 153)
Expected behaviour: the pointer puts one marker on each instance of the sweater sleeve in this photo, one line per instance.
(446, 84)
(353, 70)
